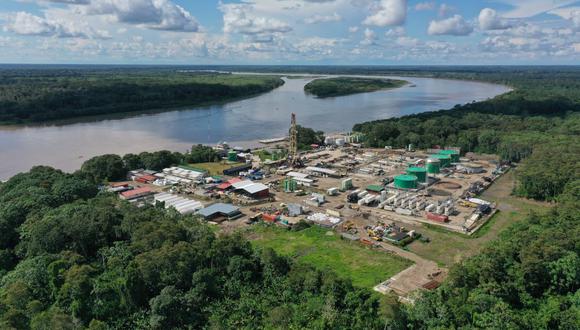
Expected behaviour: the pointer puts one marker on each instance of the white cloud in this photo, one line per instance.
(490, 20)
(388, 13)
(445, 10)
(396, 32)
(24, 23)
(239, 19)
(425, 6)
(353, 29)
(316, 46)
(530, 8)
(569, 13)
(407, 41)
(369, 37)
(152, 14)
(323, 19)
(70, 2)
(455, 26)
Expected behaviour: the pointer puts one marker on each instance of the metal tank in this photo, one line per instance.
(419, 172)
(433, 165)
(406, 181)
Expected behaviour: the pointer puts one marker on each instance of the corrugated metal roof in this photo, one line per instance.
(321, 170)
(242, 184)
(297, 175)
(136, 192)
(218, 208)
(255, 188)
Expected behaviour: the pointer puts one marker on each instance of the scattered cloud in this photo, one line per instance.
(399, 31)
(387, 13)
(369, 37)
(445, 10)
(239, 19)
(152, 14)
(70, 2)
(531, 8)
(490, 20)
(455, 26)
(268, 31)
(26, 24)
(569, 13)
(425, 6)
(315, 19)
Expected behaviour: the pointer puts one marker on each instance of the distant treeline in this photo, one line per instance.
(539, 118)
(51, 94)
(345, 86)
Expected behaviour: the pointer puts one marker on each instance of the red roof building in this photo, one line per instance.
(136, 193)
(147, 178)
(228, 183)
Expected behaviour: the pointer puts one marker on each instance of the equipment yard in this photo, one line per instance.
(391, 220)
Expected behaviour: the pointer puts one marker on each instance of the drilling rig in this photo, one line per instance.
(293, 148)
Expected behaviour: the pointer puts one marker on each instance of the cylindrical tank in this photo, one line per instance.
(290, 185)
(346, 184)
(454, 154)
(433, 165)
(232, 156)
(445, 160)
(340, 142)
(406, 181)
(419, 172)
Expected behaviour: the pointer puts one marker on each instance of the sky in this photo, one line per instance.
(311, 32)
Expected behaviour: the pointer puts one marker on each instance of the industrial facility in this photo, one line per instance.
(372, 197)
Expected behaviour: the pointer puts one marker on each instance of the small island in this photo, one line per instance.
(341, 86)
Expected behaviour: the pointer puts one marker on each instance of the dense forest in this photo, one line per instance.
(341, 86)
(112, 167)
(308, 136)
(41, 94)
(74, 258)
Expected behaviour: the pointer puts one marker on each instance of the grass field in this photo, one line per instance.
(216, 168)
(447, 248)
(325, 249)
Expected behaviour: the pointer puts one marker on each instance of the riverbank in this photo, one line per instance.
(48, 96)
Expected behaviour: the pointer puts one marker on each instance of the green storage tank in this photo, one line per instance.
(232, 156)
(445, 160)
(419, 172)
(454, 154)
(433, 166)
(290, 185)
(406, 181)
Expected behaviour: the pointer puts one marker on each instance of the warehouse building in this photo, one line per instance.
(182, 205)
(136, 193)
(220, 212)
(251, 189)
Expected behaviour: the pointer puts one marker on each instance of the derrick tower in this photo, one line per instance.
(293, 148)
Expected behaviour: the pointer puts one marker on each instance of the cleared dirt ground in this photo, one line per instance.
(447, 247)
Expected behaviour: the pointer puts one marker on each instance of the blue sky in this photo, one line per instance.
(388, 32)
